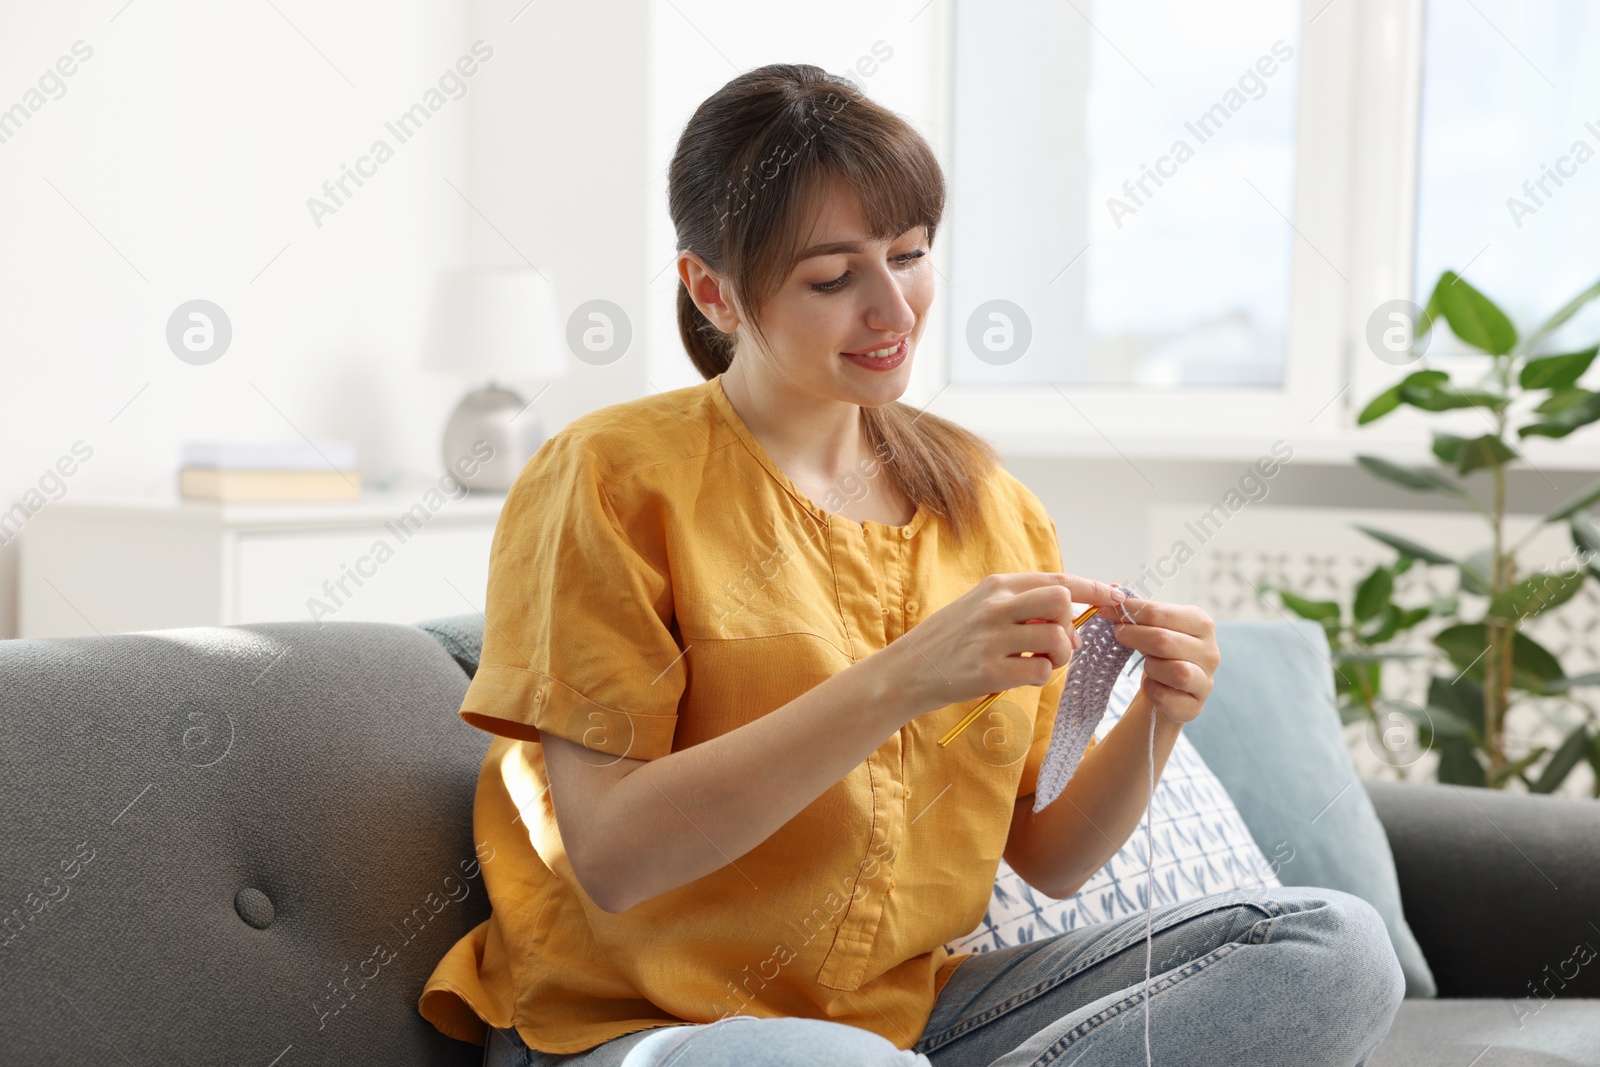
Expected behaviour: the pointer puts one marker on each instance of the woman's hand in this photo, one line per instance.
(1179, 643)
(973, 645)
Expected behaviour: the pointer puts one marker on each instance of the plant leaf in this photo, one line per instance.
(1556, 372)
(1405, 546)
(1472, 316)
(1562, 685)
(1462, 697)
(1388, 626)
(1516, 767)
(1446, 723)
(1448, 397)
(1321, 611)
(1535, 593)
(1373, 593)
(1411, 478)
(1532, 665)
(1482, 452)
(1562, 398)
(1567, 756)
(1562, 422)
(1458, 764)
(1432, 390)
(1391, 398)
(1379, 406)
(1411, 616)
(1447, 446)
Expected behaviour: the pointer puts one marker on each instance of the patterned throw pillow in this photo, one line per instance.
(1201, 847)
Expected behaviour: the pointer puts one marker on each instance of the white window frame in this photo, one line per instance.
(1355, 204)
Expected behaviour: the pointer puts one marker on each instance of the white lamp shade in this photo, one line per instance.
(494, 322)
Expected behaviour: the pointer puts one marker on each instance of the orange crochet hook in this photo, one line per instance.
(984, 704)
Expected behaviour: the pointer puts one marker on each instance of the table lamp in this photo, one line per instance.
(493, 323)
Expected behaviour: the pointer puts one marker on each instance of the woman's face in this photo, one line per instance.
(846, 294)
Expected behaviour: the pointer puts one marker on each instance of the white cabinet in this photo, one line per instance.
(113, 567)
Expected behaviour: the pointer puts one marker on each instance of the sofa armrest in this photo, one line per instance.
(1501, 889)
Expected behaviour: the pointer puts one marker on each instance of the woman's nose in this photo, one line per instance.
(890, 311)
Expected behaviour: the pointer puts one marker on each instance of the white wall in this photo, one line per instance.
(190, 139)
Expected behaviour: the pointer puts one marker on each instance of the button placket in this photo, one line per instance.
(847, 958)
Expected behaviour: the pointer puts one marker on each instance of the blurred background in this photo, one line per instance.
(270, 268)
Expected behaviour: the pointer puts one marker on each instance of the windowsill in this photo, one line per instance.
(1332, 451)
(1023, 422)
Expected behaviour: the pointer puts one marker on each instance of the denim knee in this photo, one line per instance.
(1369, 969)
(745, 1041)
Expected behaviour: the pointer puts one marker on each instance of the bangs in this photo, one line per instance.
(869, 150)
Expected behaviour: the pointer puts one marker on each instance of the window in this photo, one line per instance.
(1508, 190)
(1122, 175)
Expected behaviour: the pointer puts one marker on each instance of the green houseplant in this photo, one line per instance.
(1493, 664)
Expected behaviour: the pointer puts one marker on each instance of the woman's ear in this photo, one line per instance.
(707, 291)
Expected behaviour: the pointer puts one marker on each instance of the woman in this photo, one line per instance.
(726, 626)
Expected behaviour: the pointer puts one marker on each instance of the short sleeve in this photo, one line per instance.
(577, 637)
(1050, 696)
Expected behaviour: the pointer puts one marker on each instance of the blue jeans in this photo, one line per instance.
(1273, 976)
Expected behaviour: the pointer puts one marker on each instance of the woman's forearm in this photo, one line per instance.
(1060, 848)
(692, 812)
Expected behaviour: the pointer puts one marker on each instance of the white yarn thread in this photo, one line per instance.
(1149, 863)
(1150, 878)
(1087, 687)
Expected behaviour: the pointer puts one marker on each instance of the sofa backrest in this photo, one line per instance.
(233, 845)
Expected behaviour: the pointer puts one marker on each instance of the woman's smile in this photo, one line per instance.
(882, 359)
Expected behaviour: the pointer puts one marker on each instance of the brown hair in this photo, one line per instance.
(745, 181)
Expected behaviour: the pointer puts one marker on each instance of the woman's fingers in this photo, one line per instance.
(1082, 590)
(1179, 644)
(1054, 600)
(1184, 618)
(1044, 637)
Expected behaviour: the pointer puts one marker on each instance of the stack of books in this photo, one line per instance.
(269, 470)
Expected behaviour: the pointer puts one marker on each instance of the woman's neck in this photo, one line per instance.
(821, 439)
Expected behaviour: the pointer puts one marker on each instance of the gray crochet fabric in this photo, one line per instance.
(1092, 672)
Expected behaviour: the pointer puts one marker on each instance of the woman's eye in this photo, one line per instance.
(905, 259)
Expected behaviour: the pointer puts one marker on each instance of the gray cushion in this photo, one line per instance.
(259, 840)
(1459, 1033)
(461, 636)
(1270, 731)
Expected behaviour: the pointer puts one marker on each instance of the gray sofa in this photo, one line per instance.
(251, 845)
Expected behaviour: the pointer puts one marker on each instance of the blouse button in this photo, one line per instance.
(905, 531)
(911, 606)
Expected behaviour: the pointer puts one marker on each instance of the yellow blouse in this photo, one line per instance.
(656, 581)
